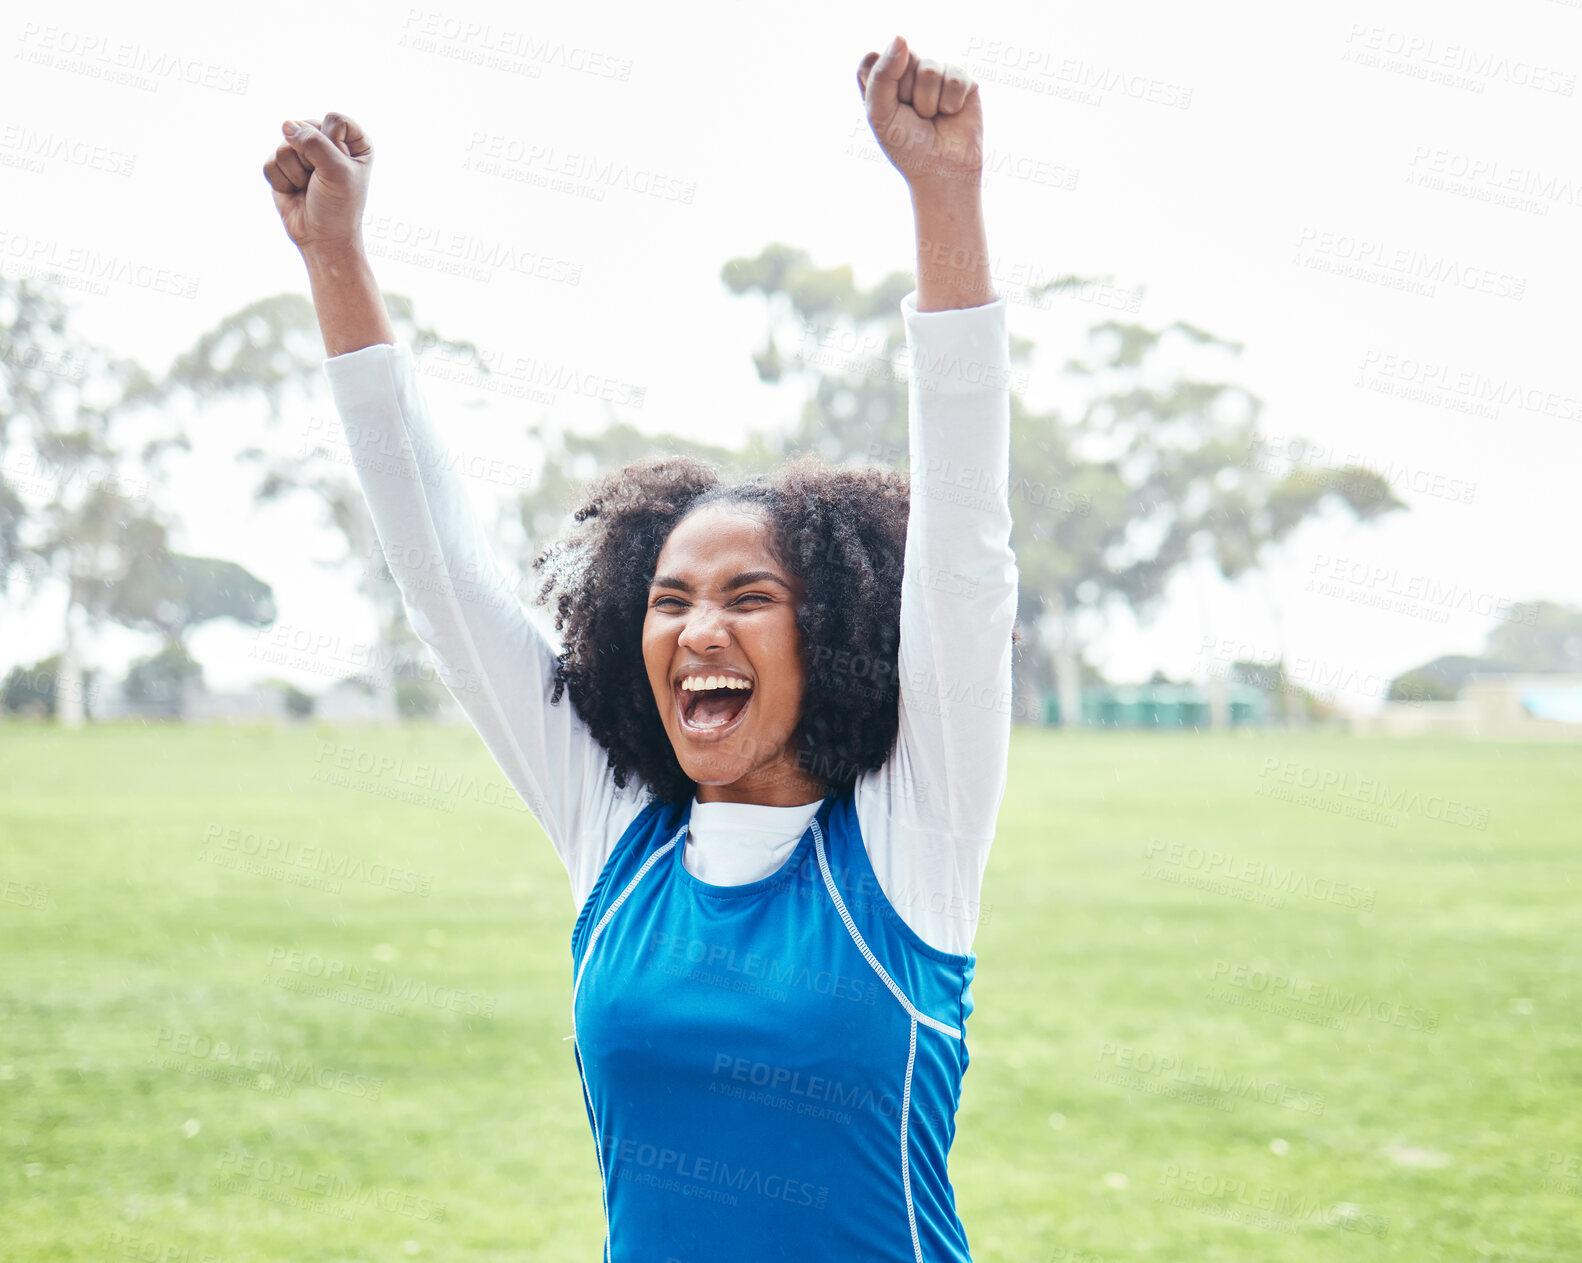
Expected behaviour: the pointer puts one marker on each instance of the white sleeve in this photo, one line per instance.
(491, 657)
(928, 814)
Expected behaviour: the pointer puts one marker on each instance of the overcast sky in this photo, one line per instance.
(1381, 202)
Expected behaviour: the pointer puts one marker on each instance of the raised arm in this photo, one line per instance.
(489, 654)
(929, 813)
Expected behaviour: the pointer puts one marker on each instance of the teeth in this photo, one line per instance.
(697, 683)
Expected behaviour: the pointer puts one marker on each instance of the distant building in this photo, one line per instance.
(1489, 706)
(341, 703)
(248, 706)
(1165, 705)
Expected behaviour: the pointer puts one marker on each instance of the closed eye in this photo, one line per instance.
(750, 596)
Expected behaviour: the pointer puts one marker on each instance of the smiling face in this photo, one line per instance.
(722, 611)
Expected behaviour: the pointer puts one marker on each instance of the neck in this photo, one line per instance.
(777, 785)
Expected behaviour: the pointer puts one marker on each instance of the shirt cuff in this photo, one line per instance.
(959, 351)
(365, 373)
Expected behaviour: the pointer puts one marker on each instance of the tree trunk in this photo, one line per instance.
(1218, 689)
(1216, 683)
(68, 678)
(394, 632)
(385, 695)
(1063, 653)
(183, 683)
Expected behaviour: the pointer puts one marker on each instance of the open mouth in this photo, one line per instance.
(712, 712)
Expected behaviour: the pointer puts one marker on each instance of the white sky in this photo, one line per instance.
(1308, 137)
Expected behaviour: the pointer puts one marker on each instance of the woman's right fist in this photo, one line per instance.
(320, 179)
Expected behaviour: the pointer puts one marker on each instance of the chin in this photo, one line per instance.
(714, 770)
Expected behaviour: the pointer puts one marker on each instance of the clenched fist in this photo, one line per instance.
(320, 178)
(926, 116)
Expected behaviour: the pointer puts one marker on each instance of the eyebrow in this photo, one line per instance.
(730, 585)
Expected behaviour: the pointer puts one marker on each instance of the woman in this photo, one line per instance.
(776, 783)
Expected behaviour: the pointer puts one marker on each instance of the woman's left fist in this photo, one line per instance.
(926, 116)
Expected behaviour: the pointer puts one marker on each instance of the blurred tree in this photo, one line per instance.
(572, 459)
(1442, 679)
(1540, 637)
(33, 690)
(416, 697)
(1149, 477)
(271, 350)
(164, 679)
(299, 705)
(170, 593)
(83, 438)
(73, 478)
(1294, 698)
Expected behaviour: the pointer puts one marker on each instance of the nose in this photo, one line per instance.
(705, 628)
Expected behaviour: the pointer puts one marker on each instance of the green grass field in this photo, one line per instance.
(1220, 1015)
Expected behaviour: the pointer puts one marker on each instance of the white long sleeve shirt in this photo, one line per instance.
(927, 815)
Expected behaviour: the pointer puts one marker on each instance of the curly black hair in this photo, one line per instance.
(841, 529)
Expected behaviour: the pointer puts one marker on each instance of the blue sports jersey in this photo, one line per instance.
(771, 1070)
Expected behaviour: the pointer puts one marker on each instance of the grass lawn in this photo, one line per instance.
(1252, 996)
